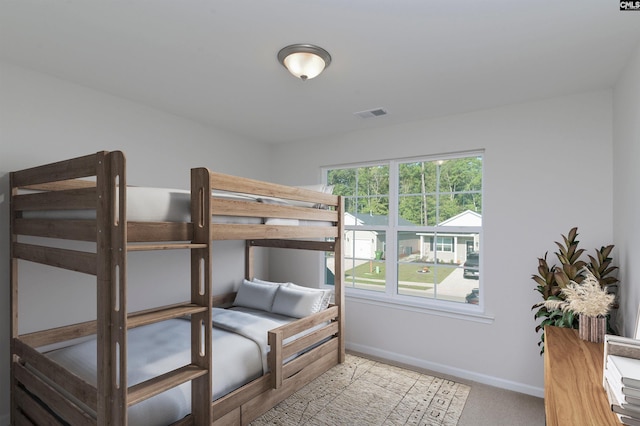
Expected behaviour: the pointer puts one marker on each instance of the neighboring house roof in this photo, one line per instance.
(466, 218)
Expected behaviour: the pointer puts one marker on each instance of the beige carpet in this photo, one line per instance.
(365, 392)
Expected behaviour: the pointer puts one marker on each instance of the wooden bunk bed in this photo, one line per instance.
(44, 392)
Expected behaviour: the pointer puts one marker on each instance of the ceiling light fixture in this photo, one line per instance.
(304, 61)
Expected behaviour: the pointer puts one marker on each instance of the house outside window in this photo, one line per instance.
(413, 229)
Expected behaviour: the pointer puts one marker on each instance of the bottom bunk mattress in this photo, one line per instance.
(239, 356)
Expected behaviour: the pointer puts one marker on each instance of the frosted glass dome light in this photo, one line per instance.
(304, 61)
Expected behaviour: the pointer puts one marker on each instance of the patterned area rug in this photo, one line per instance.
(365, 392)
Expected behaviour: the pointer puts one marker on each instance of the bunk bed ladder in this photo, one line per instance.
(201, 330)
(111, 246)
(114, 394)
(63, 186)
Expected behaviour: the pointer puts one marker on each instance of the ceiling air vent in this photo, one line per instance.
(377, 112)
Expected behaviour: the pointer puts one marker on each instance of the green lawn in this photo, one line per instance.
(374, 272)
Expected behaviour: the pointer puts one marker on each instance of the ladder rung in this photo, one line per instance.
(159, 384)
(150, 317)
(164, 246)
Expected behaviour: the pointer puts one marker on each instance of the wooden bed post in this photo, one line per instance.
(13, 268)
(249, 253)
(111, 291)
(201, 330)
(338, 278)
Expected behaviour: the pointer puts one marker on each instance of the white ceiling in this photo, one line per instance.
(215, 61)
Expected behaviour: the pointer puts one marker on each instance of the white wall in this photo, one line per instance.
(535, 154)
(626, 188)
(43, 119)
(547, 168)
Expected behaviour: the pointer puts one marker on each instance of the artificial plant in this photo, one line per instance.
(552, 279)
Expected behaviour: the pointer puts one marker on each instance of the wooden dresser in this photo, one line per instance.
(573, 392)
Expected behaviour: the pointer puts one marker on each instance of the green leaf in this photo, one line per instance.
(541, 313)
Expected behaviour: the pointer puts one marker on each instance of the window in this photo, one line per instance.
(444, 244)
(413, 228)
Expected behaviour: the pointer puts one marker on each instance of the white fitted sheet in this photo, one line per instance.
(161, 347)
(145, 204)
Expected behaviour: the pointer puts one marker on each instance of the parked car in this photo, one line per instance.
(471, 269)
(473, 297)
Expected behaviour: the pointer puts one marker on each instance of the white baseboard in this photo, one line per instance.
(448, 370)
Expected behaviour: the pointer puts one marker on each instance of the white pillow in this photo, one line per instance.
(327, 189)
(255, 296)
(295, 303)
(326, 295)
(259, 281)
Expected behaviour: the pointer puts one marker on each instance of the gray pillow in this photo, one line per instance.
(255, 296)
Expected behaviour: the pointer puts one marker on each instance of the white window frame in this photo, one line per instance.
(391, 296)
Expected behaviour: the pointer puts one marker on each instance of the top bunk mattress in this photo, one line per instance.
(148, 204)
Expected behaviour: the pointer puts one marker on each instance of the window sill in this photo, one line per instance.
(443, 309)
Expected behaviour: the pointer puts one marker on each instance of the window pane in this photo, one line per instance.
(343, 181)
(430, 193)
(417, 210)
(329, 266)
(460, 174)
(349, 277)
(372, 181)
(374, 207)
(417, 178)
(351, 207)
(432, 265)
(366, 192)
(361, 217)
(364, 253)
(444, 244)
(460, 210)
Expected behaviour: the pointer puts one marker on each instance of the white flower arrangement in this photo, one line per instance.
(586, 298)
